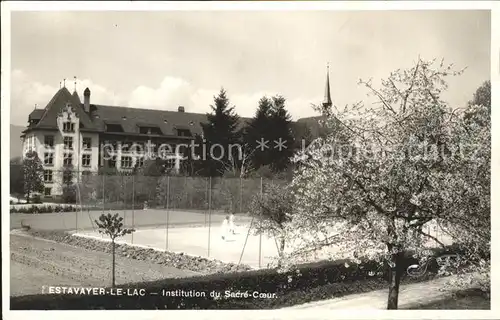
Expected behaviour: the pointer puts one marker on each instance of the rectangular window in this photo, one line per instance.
(68, 127)
(49, 141)
(47, 191)
(140, 162)
(67, 177)
(68, 143)
(86, 160)
(125, 147)
(48, 158)
(112, 162)
(68, 159)
(126, 162)
(170, 164)
(87, 143)
(47, 176)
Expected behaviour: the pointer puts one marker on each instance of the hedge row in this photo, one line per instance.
(33, 208)
(314, 281)
(30, 209)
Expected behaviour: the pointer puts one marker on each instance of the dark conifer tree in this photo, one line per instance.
(220, 133)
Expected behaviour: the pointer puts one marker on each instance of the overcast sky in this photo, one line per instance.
(160, 60)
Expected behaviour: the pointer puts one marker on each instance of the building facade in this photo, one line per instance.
(73, 138)
(77, 138)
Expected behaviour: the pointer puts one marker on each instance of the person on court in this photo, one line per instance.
(225, 228)
(231, 224)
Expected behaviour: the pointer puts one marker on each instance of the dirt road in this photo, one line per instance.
(36, 263)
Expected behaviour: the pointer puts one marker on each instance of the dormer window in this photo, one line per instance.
(184, 132)
(150, 130)
(112, 127)
(68, 126)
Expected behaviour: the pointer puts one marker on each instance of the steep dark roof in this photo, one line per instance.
(312, 123)
(132, 118)
(55, 106)
(76, 97)
(36, 114)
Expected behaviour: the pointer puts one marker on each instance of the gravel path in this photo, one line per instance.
(36, 262)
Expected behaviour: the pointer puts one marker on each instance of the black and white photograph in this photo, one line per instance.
(286, 160)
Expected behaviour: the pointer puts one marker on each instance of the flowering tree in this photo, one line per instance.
(273, 209)
(385, 171)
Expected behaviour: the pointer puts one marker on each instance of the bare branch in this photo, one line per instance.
(411, 87)
(431, 237)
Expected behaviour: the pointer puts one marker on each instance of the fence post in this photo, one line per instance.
(260, 233)
(241, 194)
(124, 198)
(80, 199)
(186, 193)
(133, 206)
(167, 213)
(103, 190)
(206, 200)
(209, 212)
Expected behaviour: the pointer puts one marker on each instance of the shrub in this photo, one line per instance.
(37, 199)
(69, 194)
(44, 209)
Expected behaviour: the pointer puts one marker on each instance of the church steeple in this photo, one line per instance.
(327, 101)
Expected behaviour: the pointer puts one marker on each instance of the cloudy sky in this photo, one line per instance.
(160, 60)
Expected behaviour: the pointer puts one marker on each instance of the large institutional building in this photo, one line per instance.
(69, 133)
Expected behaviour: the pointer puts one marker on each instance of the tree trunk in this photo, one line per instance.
(395, 273)
(281, 251)
(113, 266)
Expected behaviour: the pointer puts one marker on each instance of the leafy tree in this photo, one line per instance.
(482, 96)
(112, 226)
(16, 177)
(33, 174)
(69, 189)
(221, 130)
(273, 209)
(372, 184)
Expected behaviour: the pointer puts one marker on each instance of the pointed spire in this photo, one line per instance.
(64, 82)
(327, 101)
(75, 84)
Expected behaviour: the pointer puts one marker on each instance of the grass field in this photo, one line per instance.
(36, 263)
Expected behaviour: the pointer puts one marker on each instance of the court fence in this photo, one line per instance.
(229, 195)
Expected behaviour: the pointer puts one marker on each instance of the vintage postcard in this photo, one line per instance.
(268, 160)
